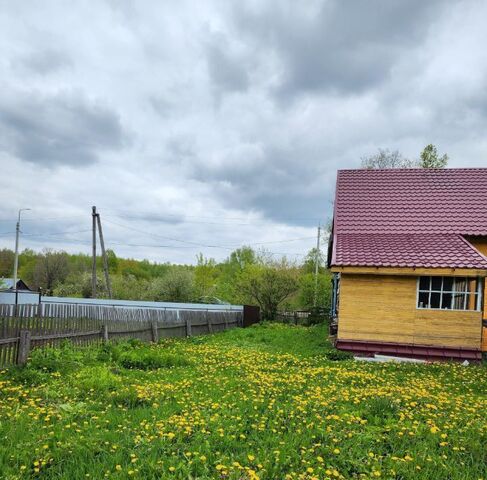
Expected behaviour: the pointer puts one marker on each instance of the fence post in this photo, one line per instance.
(104, 333)
(24, 347)
(208, 322)
(155, 332)
(188, 326)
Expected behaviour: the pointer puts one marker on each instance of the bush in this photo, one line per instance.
(150, 360)
(63, 359)
(338, 355)
(111, 351)
(97, 378)
(380, 409)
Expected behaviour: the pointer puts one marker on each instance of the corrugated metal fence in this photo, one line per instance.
(24, 327)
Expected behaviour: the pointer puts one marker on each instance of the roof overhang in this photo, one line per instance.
(411, 271)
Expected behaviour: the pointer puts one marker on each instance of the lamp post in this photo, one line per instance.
(16, 261)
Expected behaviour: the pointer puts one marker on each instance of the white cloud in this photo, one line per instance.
(222, 123)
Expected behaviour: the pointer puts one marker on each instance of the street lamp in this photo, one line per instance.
(16, 261)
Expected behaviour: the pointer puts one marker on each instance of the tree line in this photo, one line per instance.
(246, 276)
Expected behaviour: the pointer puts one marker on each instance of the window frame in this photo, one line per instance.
(477, 293)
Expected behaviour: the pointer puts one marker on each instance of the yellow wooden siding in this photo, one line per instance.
(480, 243)
(382, 308)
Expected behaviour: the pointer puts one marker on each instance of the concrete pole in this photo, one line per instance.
(317, 263)
(104, 255)
(93, 246)
(16, 259)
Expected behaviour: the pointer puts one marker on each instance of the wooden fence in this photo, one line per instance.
(24, 327)
(303, 317)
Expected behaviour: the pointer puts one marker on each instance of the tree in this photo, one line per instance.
(51, 268)
(175, 286)
(242, 257)
(429, 158)
(384, 158)
(309, 263)
(6, 262)
(205, 276)
(112, 261)
(229, 272)
(307, 290)
(267, 286)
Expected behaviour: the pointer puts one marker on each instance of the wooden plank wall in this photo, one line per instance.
(50, 324)
(382, 308)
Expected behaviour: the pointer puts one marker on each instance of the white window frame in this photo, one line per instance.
(477, 293)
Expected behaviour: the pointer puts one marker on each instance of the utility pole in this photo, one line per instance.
(93, 271)
(16, 260)
(317, 264)
(104, 255)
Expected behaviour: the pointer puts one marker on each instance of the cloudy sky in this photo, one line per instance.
(204, 125)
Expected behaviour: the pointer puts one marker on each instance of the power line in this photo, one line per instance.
(184, 217)
(142, 245)
(42, 219)
(55, 233)
(155, 235)
(231, 246)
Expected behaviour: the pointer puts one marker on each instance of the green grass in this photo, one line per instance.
(268, 402)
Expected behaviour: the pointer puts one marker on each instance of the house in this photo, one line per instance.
(22, 294)
(408, 255)
(8, 284)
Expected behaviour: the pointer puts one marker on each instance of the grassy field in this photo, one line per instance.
(268, 402)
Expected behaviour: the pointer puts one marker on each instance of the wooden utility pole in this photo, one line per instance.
(317, 264)
(105, 259)
(93, 271)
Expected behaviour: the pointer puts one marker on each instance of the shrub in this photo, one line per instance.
(380, 409)
(97, 378)
(64, 358)
(150, 360)
(338, 355)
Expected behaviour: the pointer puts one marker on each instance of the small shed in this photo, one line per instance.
(21, 294)
(408, 252)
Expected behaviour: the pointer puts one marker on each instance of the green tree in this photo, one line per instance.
(429, 158)
(6, 262)
(205, 276)
(112, 261)
(51, 268)
(128, 287)
(267, 286)
(242, 257)
(230, 271)
(307, 290)
(176, 286)
(310, 261)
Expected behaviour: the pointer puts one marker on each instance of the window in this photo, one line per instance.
(449, 293)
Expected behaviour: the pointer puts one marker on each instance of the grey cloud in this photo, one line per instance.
(344, 46)
(44, 62)
(181, 147)
(228, 71)
(286, 183)
(56, 130)
(161, 105)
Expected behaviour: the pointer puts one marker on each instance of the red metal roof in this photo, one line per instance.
(409, 217)
(406, 250)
